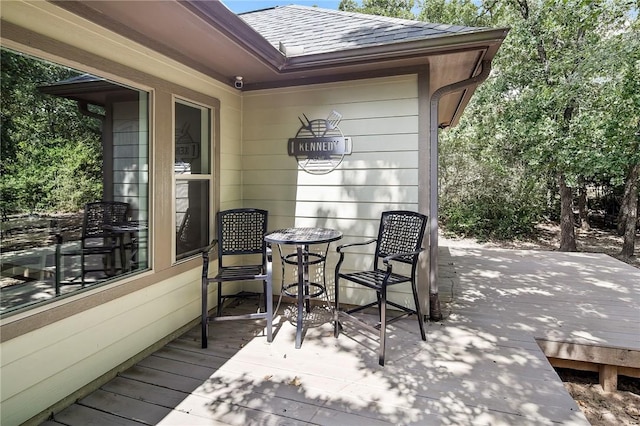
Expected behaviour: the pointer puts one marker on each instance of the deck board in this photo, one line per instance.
(481, 365)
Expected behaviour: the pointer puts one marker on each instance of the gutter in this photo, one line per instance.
(434, 301)
(443, 45)
(217, 15)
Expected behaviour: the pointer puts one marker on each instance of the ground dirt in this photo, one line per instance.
(619, 408)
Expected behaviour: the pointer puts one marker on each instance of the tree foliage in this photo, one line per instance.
(455, 12)
(560, 108)
(51, 153)
(559, 112)
(392, 8)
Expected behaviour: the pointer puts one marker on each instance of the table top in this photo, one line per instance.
(131, 226)
(303, 236)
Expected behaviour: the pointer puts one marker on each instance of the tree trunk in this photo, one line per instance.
(621, 220)
(582, 208)
(631, 208)
(567, 229)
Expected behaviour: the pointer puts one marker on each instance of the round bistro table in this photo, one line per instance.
(302, 238)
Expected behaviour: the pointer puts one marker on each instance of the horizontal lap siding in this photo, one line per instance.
(43, 366)
(130, 175)
(230, 156)
(381, 117)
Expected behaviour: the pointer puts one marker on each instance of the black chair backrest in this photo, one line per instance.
(101, 213)
(241, 231)
(401, 231)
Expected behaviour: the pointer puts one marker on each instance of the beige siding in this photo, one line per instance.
(130, 164)
(381, 116)
(49, 362)
(54, 358)
(43, 366)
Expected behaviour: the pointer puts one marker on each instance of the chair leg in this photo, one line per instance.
(58, 274)
(382, 300)
(205, 313)
(123, 256)
(264, 291)
(336, 310)
(268, 300)
(418, 310)
(82, 272)
(219, 308)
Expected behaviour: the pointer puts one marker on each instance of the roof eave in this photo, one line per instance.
(219, 16)
(477, 40)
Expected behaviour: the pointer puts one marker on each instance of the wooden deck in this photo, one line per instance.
(482, 365)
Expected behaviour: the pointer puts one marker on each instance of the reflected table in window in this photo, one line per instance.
(303, 238)
(137, 232)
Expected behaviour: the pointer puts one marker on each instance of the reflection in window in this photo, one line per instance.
(193, 177)
(74, 182)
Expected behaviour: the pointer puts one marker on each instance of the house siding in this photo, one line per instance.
(128, 152)
(53, 351)
(41, 365)
(381, 117)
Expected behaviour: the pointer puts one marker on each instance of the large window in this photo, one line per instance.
(74, 192)
(193, 177)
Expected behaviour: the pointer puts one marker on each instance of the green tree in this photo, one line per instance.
(455, 12)
(621, 128)
(51, 153)
(391, 8)
(545, 111)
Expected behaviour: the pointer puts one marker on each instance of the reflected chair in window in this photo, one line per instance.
(97, 240)
(240, 245)
(188, 235)
(399, 242)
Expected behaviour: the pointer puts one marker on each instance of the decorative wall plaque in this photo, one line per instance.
(319, 145)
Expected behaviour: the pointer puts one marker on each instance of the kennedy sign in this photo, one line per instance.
(319, 145)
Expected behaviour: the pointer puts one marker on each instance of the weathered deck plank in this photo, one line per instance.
(578, 306)
(482, 365)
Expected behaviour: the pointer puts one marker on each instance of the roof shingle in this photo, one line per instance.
(311, 30)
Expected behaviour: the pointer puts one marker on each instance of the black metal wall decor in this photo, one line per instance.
(319, 145)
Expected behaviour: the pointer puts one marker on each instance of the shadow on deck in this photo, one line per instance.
(481, 365)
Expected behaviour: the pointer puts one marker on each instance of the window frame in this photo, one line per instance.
(208, 177)
(148, 107)
(23, 321)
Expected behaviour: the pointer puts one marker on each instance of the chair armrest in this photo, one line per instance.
(363, 243)
(210, 247)
(387, 259)
(205, 258)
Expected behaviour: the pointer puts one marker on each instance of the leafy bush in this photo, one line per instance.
(489, 212)
(51, 153)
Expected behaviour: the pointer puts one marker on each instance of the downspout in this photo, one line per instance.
(434, 301)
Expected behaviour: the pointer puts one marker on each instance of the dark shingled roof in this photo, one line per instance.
(309, 30)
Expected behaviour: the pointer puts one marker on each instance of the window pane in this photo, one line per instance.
(192, 216)
(74, 187)
(193, 177)
(192, 126)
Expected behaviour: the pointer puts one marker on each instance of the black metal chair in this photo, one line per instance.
(240, 234)
(399, 241)
(97, 240)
